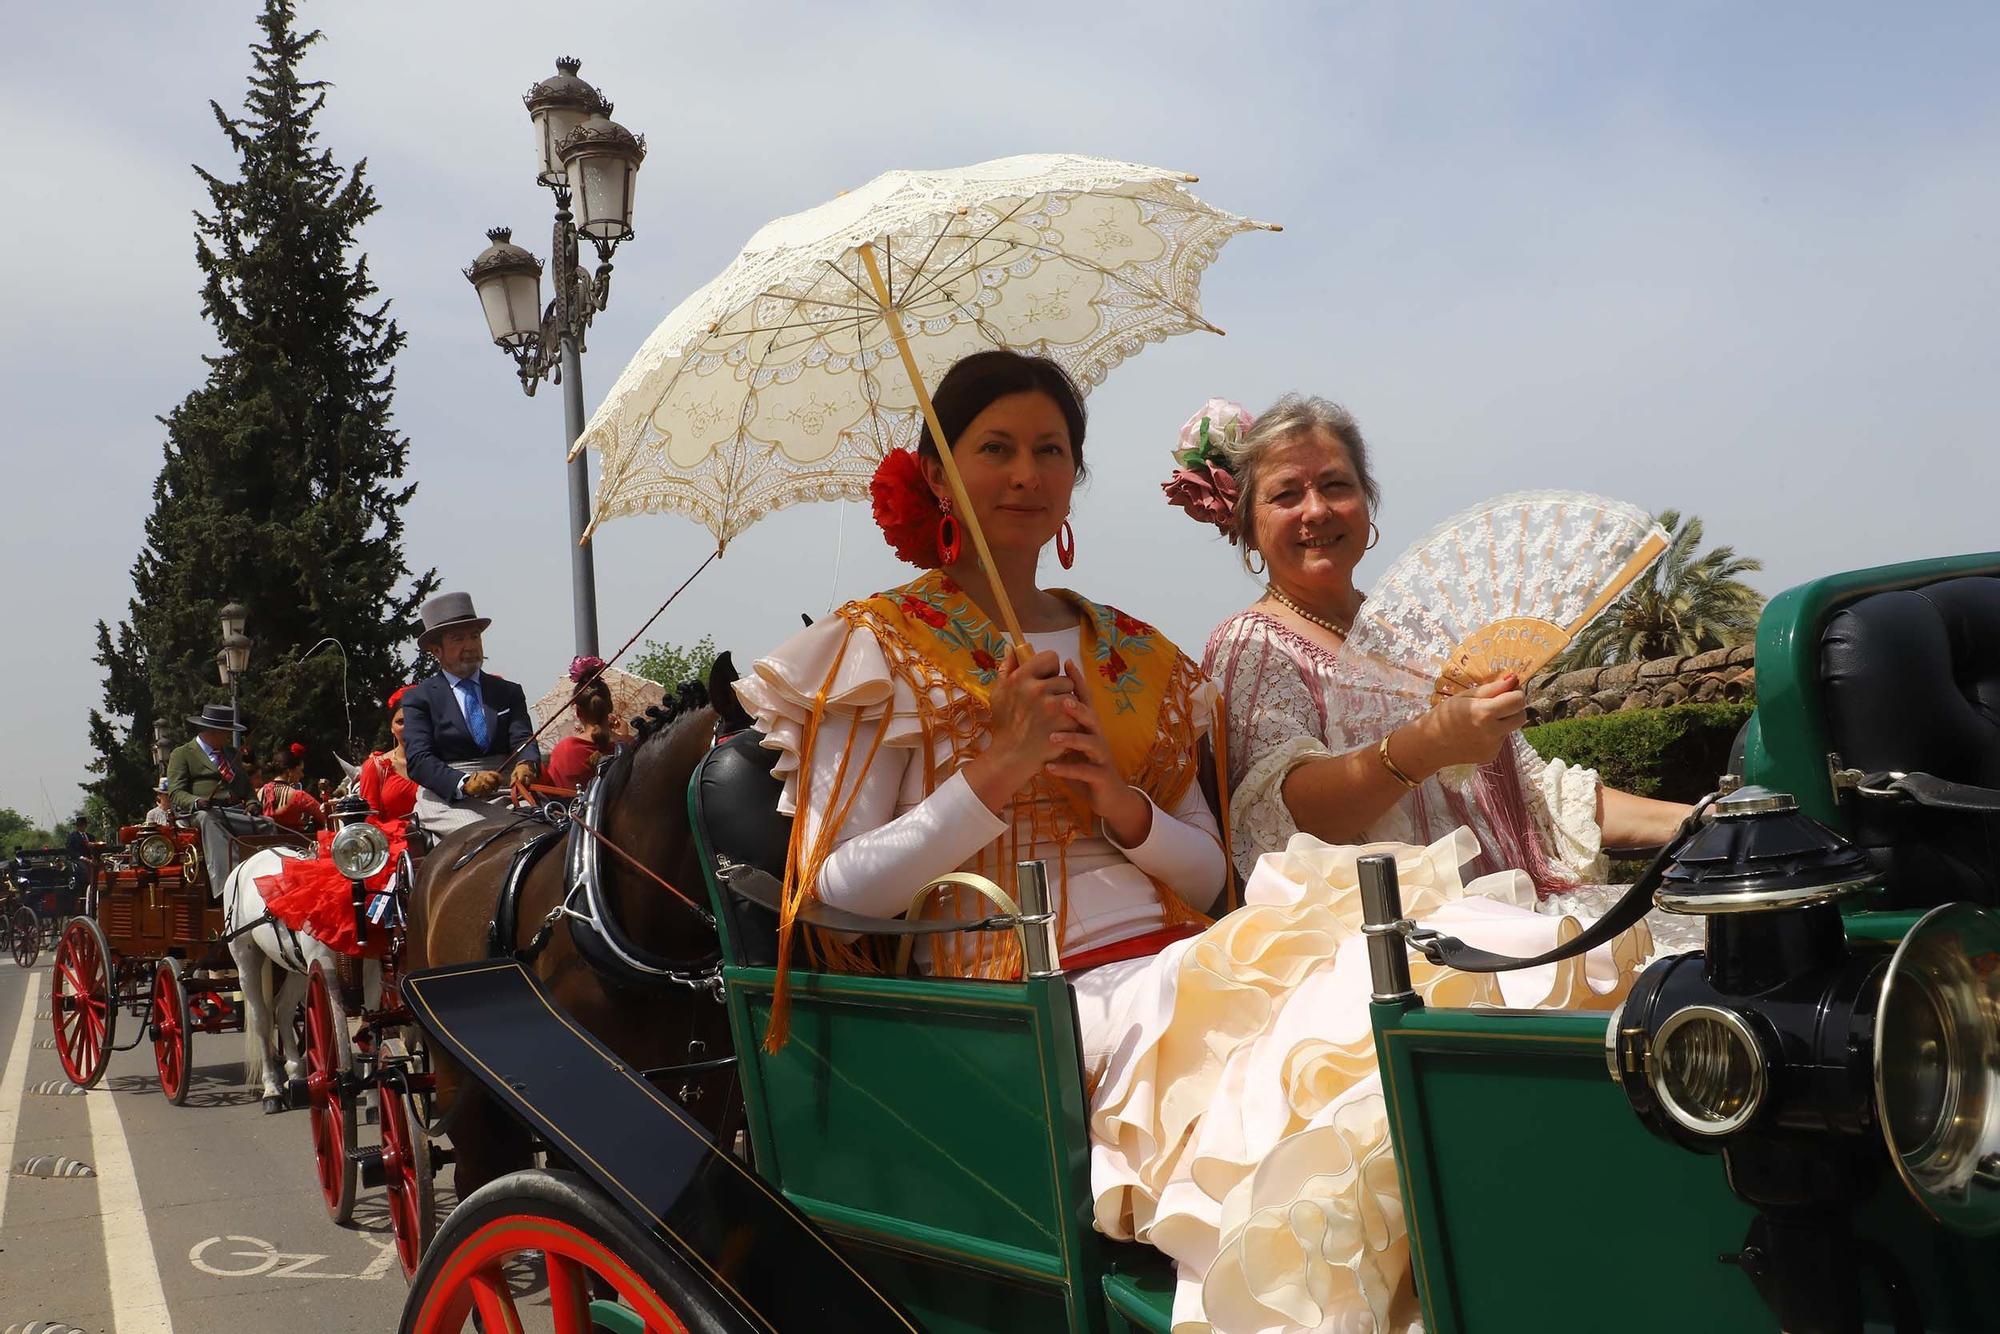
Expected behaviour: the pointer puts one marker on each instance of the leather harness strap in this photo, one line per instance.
(1932, 791)
(1455, 953)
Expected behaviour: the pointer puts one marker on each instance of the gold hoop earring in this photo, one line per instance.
(1374, 536)
(1259, 570)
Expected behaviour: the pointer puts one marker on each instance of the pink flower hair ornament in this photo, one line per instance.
(1202, 482)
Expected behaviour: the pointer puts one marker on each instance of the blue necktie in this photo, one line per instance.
(475, 711)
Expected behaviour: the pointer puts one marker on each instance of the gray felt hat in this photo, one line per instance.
(444, 612)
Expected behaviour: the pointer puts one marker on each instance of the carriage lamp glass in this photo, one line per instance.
(1937, 1065)
(1708, 1070)
(556, 106)
(509, 282)
(360, 851)
(155, 852)
(601, 158)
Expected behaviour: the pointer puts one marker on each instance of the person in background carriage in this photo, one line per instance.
(284, 798)
(1230, 1062)
(207, 783)
(384, 780)
(463, 726)
(599, 730)
(82, 866)
(162, 812)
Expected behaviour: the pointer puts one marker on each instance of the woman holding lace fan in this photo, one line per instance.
(1294, 489)
(914, 742)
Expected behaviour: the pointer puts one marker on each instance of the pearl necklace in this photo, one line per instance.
(1320, 621)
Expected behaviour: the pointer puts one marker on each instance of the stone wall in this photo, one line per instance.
(1720, 675)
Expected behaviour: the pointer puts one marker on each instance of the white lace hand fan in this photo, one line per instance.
(1502, 587)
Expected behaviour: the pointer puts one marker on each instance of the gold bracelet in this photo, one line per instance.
(1394, 771)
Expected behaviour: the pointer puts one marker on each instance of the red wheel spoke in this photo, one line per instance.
(569, 1295)
(494, 1302)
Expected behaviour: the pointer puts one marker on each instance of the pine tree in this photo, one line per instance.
(281, 486)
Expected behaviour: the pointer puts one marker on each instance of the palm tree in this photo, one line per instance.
(1689, 601)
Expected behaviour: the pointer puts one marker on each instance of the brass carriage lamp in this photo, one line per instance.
(509, 282)
(557, 106)
(601, 159)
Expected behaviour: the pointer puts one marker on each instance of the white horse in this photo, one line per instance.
(270, 1041)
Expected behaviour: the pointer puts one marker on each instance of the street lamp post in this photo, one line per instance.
(591, 163)
(232, 662)
(163, 745)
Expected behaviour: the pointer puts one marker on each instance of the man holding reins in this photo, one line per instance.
(466, 732)
(205, 782)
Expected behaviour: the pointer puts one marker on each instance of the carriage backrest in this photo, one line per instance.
(734, 805)
(1898, 669)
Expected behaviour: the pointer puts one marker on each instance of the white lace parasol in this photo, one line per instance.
(768, 387)
(630, 696)
(1502, 587)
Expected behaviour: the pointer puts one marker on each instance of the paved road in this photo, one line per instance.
(202, 1217)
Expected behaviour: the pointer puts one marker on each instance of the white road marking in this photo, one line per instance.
(265, 1259)
(12, 1083)
(138, 1301)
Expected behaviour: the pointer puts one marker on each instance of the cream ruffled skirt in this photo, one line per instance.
(1238, 1123)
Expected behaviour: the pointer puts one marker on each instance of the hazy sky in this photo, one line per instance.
(1736, 259)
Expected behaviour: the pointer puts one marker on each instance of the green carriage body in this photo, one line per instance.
(936, 1128)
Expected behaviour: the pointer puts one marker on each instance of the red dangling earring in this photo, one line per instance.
(1066, 545)
(947, 536)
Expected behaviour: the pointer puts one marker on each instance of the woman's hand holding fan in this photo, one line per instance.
(1497, 590)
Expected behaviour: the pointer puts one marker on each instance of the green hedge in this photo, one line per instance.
(1676, 753)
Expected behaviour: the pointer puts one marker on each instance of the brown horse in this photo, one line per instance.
(453, 908)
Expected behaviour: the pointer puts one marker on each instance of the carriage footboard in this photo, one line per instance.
(762, 1256)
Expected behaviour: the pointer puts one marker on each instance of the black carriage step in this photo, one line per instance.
(369, 1161)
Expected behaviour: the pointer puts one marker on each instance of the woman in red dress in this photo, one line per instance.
(284, 798)
(598, 730)
(308, 894)
(385, 781)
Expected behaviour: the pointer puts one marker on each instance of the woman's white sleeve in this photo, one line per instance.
(1183, 848)
(895, 840)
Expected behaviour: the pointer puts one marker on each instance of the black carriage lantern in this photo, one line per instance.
(1801, 1059)
(509, 282)
(601, 159)
(163, 744)
(556, 106)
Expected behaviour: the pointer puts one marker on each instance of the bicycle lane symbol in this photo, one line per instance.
(253, 1257)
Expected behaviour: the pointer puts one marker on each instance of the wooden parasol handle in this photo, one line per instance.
(965, 514)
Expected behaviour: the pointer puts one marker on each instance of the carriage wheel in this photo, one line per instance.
(173, 1032)
(27, 931)
(80, 1002)
(406, 1171)
(332, 1116)
(604, 1272)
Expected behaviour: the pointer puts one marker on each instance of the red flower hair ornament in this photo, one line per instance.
(905, 510)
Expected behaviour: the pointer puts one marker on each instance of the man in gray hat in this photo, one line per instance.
(465, 730)
(206, 781)
(162, 811)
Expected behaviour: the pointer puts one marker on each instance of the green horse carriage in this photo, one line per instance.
(920, 1148)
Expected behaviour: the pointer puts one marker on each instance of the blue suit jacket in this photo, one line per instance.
(435, 735)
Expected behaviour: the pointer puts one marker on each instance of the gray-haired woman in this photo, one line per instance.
(1294, 489)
